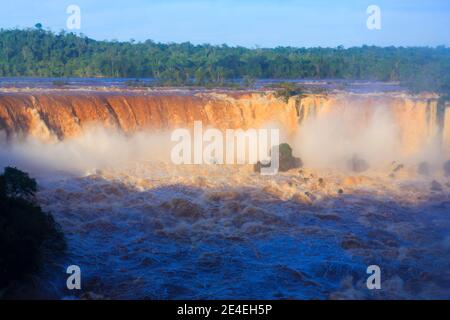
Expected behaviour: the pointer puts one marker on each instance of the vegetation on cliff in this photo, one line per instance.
(37, 52)
(27, 234)
(287, 161)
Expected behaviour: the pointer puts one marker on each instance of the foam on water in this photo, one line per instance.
(140, 227)
(153, 230)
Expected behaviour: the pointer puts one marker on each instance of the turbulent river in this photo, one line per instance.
(141, 227)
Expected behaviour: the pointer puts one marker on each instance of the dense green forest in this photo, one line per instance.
(39, 52)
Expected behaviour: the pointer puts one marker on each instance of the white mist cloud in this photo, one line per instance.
(332, 139)
(96, 148)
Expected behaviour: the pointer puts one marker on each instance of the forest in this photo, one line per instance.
(37, 52)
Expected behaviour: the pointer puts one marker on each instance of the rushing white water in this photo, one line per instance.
(141, 227)
(154, 230)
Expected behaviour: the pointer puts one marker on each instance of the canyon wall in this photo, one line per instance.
(55, 115)
(66, 114)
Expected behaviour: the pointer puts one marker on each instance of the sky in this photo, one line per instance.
(249, 23)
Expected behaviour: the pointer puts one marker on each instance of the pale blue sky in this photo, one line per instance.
(250, 23)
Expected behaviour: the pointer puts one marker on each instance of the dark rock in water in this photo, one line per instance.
(436, 186)
(447, 168)
(322, 183)
(287, 160)
(358, 164)
(424, 169)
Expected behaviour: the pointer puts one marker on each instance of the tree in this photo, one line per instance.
(28, 236)
(39, 52)
(18, 184)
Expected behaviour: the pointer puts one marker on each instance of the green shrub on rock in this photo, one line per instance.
(287, 160)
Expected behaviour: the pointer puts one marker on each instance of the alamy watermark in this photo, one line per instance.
(74, 280)
(374, 20)
(74, 20)
(374, 280)
(209, 146)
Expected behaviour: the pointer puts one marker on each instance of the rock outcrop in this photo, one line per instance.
(62, 114)
(286, 160)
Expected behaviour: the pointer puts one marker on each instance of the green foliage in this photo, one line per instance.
(27, 234)
(38, 52)
(285, 150)
(18, 184)
(287, 90)
(286, 160)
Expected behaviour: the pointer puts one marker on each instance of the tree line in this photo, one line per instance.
(43, 53)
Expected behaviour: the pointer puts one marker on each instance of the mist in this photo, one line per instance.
(333, 138)
(328, 140)
(95, 149)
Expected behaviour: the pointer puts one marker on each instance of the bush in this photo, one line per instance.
(287, 90)
(18, 184)
(27, 234)
(286, 160)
